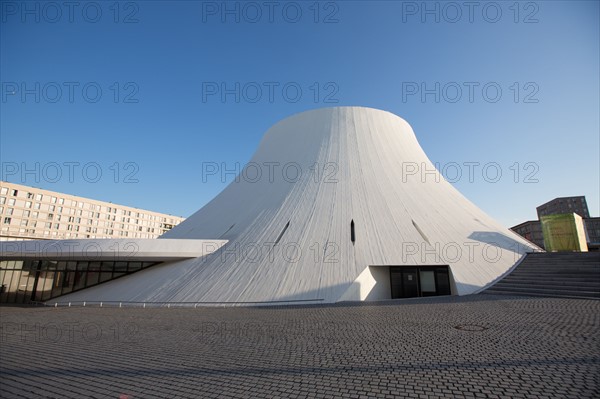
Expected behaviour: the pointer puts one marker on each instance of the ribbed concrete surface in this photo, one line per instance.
(330, 167)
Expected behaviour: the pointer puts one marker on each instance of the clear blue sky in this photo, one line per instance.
(166, 57)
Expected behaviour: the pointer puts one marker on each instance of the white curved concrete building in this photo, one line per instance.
(336, 204)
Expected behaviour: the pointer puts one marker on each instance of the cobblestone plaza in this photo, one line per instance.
(472, 346)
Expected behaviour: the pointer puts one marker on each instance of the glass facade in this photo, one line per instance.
(418, 281)
(22, 281)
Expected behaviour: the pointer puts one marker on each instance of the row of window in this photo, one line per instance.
(16, 233)
(38, 197)
(109, 230)
(41, 215)
(72, 219)
(37, 280)
(52, 208)
(73, 227)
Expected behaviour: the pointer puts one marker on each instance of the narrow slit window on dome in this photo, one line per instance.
(282, 233)
(420, 232)
(352, 235)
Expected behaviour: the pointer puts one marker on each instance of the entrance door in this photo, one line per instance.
(411, 282)
(405, 282)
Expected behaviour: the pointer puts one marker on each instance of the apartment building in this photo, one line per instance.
(32, 213)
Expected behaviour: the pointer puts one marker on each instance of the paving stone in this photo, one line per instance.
(477, 346)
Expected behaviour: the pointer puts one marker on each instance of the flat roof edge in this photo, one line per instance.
(159, 250)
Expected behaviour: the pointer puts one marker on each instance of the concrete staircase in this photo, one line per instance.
(553, 274)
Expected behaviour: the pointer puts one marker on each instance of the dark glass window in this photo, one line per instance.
(135, 266)
(80, 275)
(22, 281)
(120, 267)
(409, 282)
(105, 276)
(108, 266)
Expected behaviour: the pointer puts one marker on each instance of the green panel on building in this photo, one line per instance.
(563, 232)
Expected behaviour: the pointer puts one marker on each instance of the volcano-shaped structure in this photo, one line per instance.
(336, 204)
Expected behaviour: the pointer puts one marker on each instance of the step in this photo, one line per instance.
(563, 259)
(511, 285)
(568, 275)
(538, 295)
(554, 277)
(560, 271)
(550, 291)
(555, 255)
(537, 280)
(560, 265)
(581, 284)
(562, 262)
